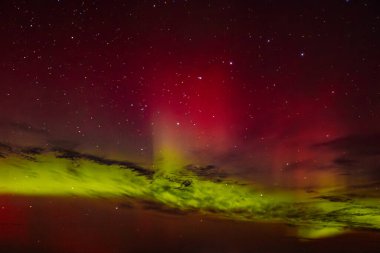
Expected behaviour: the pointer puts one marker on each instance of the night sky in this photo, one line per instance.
(254, 87)
(189, 126)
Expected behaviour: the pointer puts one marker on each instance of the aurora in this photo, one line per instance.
(191, 189)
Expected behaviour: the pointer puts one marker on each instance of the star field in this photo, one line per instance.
(249, 86)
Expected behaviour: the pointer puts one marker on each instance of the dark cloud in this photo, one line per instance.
(357, 154)
(355, 144)
(73, 155)
(32, 150)
(26, 152)
(335, 198)
(209, 172)
(342, 161)
(4, 149)
(4, 146)
(22, 126)
(30, 153)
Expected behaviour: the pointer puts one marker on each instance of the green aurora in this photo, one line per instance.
(38, 172)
